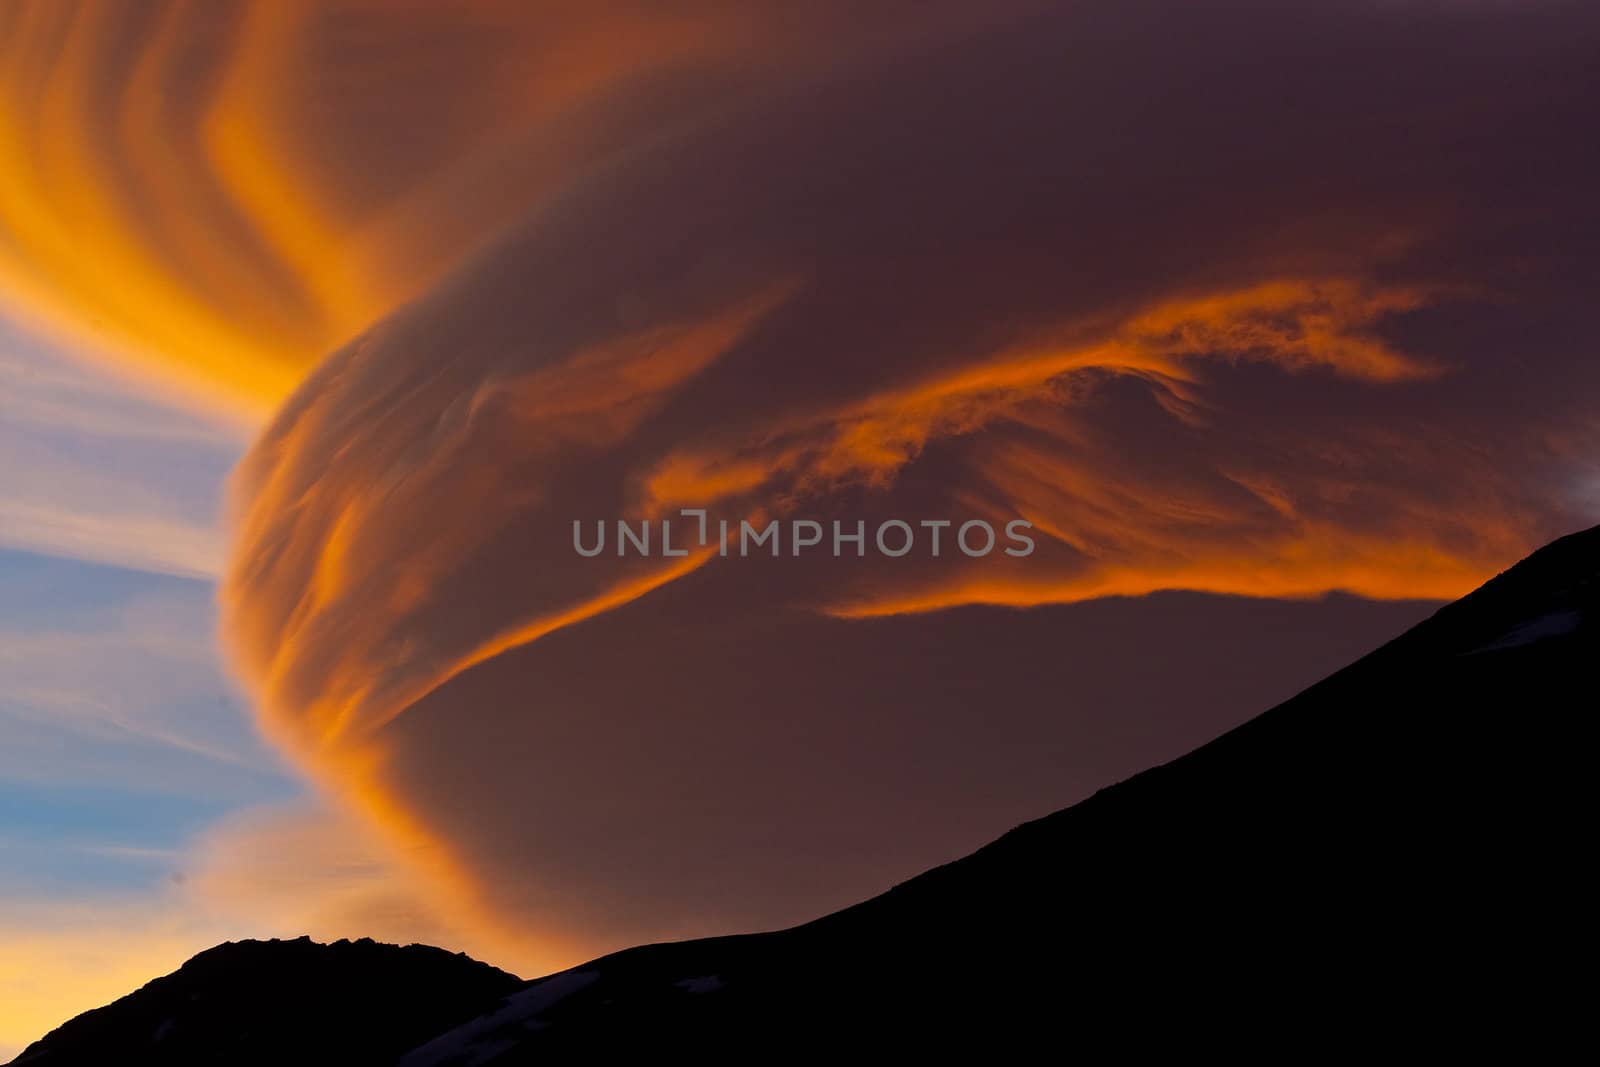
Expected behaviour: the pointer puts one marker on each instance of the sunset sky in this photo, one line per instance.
(320, 324)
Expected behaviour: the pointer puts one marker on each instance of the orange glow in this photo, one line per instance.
(179, 195)
(1296, 324)
(87, 257)
(103, 950)
(1311, 566)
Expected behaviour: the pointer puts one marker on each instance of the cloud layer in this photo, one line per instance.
(1232, 300)
(259, 181)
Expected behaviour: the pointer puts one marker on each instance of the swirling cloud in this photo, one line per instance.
(215, 194)
(1233, 300)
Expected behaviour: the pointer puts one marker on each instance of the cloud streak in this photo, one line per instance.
(91, 471)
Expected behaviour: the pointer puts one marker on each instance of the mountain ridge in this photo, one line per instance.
(226, 1005)
(1390, 855)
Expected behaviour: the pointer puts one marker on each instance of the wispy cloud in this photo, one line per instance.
(92, 469)
(137, 672)
(143, 542)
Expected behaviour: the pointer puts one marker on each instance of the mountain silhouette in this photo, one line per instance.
(1392, 860)
(258, 1002)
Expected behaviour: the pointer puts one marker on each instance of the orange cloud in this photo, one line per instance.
(1294, 324)
(579, 405)
(604, 749)
(214, 196)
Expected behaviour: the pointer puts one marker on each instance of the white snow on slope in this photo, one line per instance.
(484, 1038)
(1552, 625)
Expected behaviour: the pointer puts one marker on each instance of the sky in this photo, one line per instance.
(322, 323)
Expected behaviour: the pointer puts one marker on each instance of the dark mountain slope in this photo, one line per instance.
(1397, 855)
(1394, 860)
(261, 1002)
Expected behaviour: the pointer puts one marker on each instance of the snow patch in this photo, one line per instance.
(486, 1037)
(1554, 624)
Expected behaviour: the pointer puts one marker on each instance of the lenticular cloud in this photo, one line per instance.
(1050, 270)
